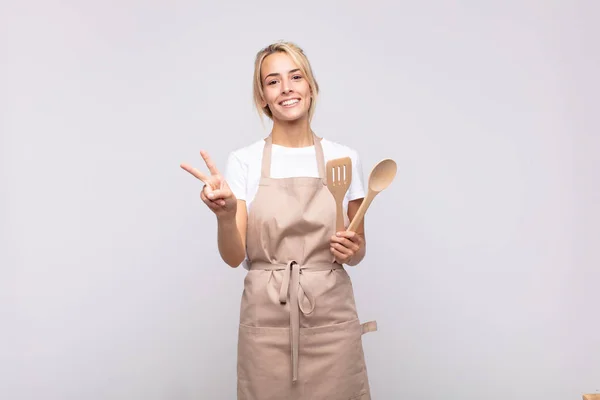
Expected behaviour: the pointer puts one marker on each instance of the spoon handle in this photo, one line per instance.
(361, 211)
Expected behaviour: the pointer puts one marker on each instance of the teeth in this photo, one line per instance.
(289, 102)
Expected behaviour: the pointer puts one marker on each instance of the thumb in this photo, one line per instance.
(208, 190)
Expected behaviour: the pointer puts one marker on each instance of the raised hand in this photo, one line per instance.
(216, 193)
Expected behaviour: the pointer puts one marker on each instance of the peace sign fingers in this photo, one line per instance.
(215, 193)
(195, 172)
(209, 163)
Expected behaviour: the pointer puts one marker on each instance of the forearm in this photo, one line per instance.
(231, 246)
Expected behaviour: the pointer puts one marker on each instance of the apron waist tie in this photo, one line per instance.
(291, 284)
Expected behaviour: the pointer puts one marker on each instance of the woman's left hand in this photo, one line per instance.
(344, 245)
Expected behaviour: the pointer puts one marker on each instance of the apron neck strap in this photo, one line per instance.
(266, 159)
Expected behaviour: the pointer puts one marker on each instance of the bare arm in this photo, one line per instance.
(230, 212)
(231, 236)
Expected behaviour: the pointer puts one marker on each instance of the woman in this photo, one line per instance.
(299, 333)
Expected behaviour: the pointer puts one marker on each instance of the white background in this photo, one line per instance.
(483, 265)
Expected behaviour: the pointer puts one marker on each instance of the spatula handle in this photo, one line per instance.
(360, 214)
(339, 226)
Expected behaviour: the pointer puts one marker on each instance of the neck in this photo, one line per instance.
(292, 134)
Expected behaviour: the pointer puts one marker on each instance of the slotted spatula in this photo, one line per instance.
(339, 176)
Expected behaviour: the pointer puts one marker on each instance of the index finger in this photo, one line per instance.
(347, 234)
(209, 163)
(194, 172)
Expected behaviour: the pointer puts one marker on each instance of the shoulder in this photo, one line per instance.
(332, 149)
(243, 166)
(248, 154)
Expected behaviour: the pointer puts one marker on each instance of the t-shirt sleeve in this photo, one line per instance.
(357, 188)
(236, 175)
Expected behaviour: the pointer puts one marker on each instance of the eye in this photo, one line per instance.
(296, 77)
(272, 82)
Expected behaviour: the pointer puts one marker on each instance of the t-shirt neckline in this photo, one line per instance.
(304, 149)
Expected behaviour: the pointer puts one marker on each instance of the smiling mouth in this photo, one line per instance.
(289, 103)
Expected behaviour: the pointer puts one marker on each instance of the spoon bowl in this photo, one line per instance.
(381, 176)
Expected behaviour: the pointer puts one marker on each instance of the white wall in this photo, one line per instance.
(483, 262)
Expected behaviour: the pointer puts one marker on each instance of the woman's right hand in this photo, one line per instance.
(216, 193)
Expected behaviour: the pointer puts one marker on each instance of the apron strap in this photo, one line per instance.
(266, 158)
(320, 157)
(367, 327)
(267, 150)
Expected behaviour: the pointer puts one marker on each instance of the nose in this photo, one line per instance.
(286, 87)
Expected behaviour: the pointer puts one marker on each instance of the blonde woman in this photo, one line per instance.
(299, 332)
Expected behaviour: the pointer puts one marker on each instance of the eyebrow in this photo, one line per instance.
(278, 74)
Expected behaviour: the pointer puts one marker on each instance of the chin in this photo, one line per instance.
(293, 116)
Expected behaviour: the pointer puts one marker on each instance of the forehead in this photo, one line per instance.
(280, 63)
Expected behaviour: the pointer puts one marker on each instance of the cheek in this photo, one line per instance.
(305, 90)
(270, 94)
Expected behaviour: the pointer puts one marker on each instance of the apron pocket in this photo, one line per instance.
(263, 367)
(332, 364)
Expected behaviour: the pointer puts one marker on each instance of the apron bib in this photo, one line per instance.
(299, 334)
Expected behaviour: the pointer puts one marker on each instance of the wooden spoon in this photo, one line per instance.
(382, 174)
(339, 176)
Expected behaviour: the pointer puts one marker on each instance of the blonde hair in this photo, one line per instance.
(299, 58)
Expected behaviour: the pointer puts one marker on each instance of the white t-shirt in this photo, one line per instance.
(244, 165)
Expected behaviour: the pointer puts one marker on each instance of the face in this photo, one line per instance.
(286, 90)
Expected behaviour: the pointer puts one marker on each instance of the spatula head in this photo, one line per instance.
(339, 175)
